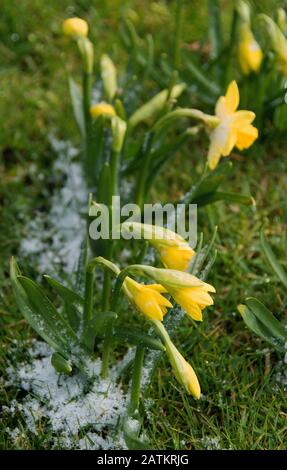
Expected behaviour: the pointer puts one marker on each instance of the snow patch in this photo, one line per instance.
(77, 414)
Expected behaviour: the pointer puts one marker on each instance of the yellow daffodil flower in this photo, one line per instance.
(174, 251)
(147, 298)
(175, 256)
(183, 371)
(249, 51)
(191, 293)
(75, 27)
(102, 109)
(234, 128)
(193, 299)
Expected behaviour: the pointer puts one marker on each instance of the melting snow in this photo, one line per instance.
(60, 405)
(53, 240)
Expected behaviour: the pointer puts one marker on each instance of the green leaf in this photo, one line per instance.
(162, 155)
(50, 315)
(33, 316)
(277, 268)
(209, 183)
(66, 294)
(274, 326)
(236, 198)
(138, 338)
(77, 104)
(215, 33)
(200, 77)
(255, 325)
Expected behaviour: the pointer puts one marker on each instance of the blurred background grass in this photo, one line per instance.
(243, 407)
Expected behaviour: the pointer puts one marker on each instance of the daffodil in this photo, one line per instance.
(175, 256)
(183, 371)
(147, 298)
(193, 299)
(102, 109)
(234, 128)
(249, 51)
(174, 251)
(75, 27)
(191, 293)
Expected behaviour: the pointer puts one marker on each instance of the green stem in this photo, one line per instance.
(115, 172)
(178, 31)
(87, 339)
(136, 380)
(108, 341)
(87, 94)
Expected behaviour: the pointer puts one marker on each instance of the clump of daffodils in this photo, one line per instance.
(154, 300)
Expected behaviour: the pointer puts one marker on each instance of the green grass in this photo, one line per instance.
(243, 407)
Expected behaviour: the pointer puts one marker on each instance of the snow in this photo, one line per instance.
(76, 414)
(53, 240)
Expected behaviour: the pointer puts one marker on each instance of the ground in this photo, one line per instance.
(244, 402)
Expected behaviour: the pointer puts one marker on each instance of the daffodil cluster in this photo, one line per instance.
(185, 289)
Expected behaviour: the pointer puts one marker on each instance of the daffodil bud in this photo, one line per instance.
(119, 128)
(281, 19)
(174, 251)
(183, 371)
(86, 49)
(249, 51)
(102, 109)
(170, 278)
(243, 10)
(278, 41)
(60, 364)
(109, 76)
(152, 107)
(75, 28)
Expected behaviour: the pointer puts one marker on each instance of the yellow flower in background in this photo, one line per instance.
(175, 256)
(249, 51)
(193, 299)
(102, 109)
(147, 298)
(234, 128)
(183, 371)
(75, 27)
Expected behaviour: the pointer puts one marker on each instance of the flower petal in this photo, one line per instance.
(243, 117)
(232, 97)
(246, 136)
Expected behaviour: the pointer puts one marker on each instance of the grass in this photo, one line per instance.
(243, 406)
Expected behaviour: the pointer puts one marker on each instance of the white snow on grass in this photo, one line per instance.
(77, 415)
(53, 240)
